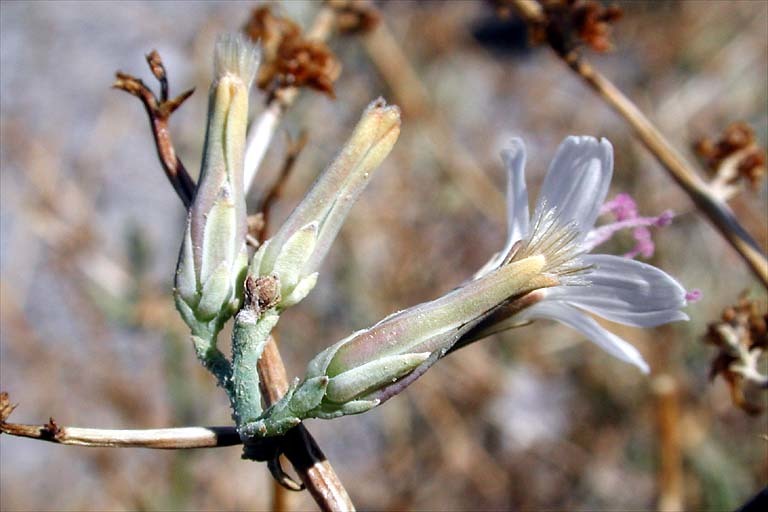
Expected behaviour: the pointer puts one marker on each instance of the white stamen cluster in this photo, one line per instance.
(558, 242)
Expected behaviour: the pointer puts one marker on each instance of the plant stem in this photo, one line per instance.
(160, 438)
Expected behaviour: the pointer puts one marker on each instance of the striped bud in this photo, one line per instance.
(213, 254)
(297, 249)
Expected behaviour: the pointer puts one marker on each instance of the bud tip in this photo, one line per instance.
(237, 56)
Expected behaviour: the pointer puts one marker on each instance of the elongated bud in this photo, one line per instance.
(213, 253)
(297, 249)
(432, 327)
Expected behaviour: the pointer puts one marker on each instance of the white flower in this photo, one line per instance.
(616, 288)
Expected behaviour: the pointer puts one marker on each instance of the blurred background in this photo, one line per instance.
(535, 418)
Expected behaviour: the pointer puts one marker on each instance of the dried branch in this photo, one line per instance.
(159, 112)
(679, 169)
(297, 445)
(160, 438)
(671, 477)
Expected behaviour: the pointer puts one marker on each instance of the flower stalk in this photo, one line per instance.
(213, 254)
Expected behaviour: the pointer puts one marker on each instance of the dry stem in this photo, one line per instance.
(161, 438)
(159, 112)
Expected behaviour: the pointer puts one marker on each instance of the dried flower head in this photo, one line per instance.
(735, 155)
(289, 58)
(354, 16)
(569, 24)
(741, 337)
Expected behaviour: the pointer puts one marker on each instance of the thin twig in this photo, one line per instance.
(679, 169)
(670, 474)
(297, 445)
(160, 438)
(159, 112)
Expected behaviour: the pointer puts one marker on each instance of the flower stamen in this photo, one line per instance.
(557, 241)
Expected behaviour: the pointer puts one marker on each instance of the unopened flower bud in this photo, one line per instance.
(213, 253)
(367, 363)
(297, 249)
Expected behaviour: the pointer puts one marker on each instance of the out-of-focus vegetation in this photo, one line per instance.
(533, 418)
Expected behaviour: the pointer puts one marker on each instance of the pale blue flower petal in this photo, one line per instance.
(517, 204)
(517, 193)
(626, 291)
(572, 317)
(577, 181)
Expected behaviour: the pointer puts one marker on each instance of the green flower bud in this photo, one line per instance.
(297, 249)
(213, 254)
(433, 326)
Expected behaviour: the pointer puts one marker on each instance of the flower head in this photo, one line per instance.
(544, 271)
(616, 288)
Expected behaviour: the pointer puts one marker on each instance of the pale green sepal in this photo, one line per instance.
(350, 384)
(331, 411)
(220, 239)
(276, 420)
(186, 280)
(186, 313)
(239, 272)
(296, 251)
(308, 395)
(255, 267)
(300, 291)
(319, 364)
(269, 427)
(216, 292)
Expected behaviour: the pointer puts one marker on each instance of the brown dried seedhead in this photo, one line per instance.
(261, 293)
(735, 152)
(288, 58)
(742, 339)
(354, 16)
(570, 24)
